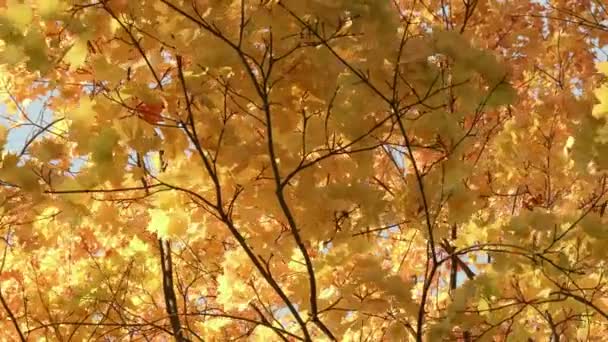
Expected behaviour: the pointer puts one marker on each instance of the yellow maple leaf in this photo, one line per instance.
(159, 222)
(168, 223)
(19, 14)
(600, 110)
(592, 225)
(48, 8)
(84, 111)
(136, 245)
(178, 224)
(77, 54)
(107, 71)
(3, 135)
(12, 54)
(602, 67)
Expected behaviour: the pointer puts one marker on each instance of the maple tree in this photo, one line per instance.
(314, 170)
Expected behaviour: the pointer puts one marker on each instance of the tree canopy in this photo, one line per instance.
(303, 170)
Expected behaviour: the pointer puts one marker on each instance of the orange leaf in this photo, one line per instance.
(150, 112)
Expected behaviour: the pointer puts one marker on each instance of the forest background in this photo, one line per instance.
(303, 170)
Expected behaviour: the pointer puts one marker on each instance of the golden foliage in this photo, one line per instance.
(315, 170)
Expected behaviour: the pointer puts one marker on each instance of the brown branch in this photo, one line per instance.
(12, 317)
(223, 216)
(88, 191)
(395, 108)
(137, 46)
(164, 247)
(264, 95)
(5, 304)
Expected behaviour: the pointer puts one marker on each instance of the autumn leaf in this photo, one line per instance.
(311, 170)
(150, 112)
(77, 54)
